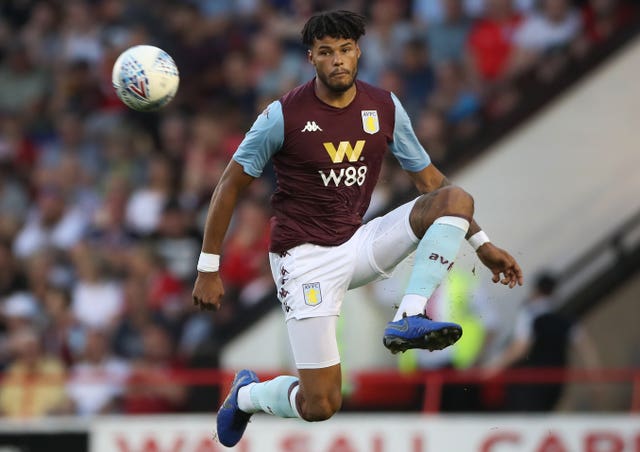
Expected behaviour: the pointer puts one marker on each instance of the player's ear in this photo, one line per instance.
(358, 52)
(310, 56)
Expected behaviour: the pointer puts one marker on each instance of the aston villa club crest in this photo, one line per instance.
(312, 294)
(370, 122)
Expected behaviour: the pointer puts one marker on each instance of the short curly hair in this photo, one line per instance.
(336, 24)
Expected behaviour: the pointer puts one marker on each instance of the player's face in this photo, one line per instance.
(336, 62)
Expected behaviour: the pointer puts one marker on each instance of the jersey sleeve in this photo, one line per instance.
(262, 141)
(405, 145)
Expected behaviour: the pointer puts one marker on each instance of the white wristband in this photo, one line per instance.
(208, 263)
(478, 239)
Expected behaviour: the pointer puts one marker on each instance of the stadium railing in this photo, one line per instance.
(391, 390)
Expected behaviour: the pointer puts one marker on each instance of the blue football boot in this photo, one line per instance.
(419, 331)
(232, 421)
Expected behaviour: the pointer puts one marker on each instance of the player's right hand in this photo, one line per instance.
(208, 291)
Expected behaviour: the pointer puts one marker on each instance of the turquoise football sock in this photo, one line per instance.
(435, 255)
(272, 396)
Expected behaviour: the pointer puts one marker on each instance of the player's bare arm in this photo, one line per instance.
(208, 289)
(503, 266)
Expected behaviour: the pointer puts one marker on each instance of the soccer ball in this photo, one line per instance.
(145, 78)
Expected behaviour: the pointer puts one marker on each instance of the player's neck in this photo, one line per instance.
(333, 98)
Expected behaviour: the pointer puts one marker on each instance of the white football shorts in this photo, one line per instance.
(311, 280)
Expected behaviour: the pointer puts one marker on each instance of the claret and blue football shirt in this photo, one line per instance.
(327, 160)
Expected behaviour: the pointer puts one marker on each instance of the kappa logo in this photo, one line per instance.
(311, 126)
(312, 294)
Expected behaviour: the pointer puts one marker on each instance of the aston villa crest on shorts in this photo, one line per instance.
(312, 294)
(370, 122)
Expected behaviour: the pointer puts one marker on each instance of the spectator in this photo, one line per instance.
(78, 89)
(62, 335)
(151, 387)
(145, 205)
(107, 229)
(71, 140)
(22, 85)
(386, 35)
(97, 381)
(113, 18)
(604, 17)
(274, 70)
(206, 155)
(542, 338)
(457, 99)
(121, 161)
(77, 184)
(431, 12)
(177, 242)
(45, 268)
(34, 382)
(434, 11)
(173, 131)
(242, 92)
(12, 278)
(52, 223)
(137, 316)
(163, 290)
(447, 39)
(20, 310)
(550, 30)
(194, 43)
(196, 335)
(96, 296)
(246, 246)
(40, 34)
(81, 37)
(432, 132)
(490, 43)
(13, 205)
(417, 76)
(18, 154)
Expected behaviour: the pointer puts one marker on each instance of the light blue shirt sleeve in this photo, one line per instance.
(405, 145)
(262, 141)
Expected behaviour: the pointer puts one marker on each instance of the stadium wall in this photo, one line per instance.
(342, 433)
(377, 433)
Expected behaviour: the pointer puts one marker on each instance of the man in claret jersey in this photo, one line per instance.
(327, 139)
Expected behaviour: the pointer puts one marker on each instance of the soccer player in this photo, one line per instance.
(326, 139)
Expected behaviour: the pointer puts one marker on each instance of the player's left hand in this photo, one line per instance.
(504, 267)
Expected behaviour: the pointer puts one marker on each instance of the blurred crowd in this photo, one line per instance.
(102, 208)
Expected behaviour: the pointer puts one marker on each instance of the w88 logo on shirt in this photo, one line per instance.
(350, 175)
